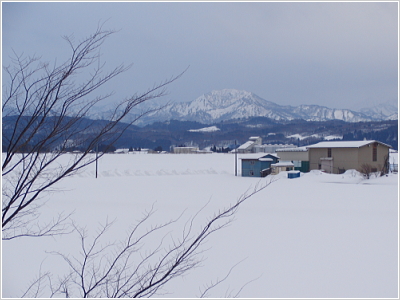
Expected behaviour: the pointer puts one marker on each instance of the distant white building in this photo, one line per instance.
(185, 150)
(254, 145)
(256, 139)
(249, 145)
(271, 148)
(122, 151)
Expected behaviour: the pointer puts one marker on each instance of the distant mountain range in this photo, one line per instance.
(231, 104)
(384, 111)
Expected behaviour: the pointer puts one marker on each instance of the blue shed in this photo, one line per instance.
(258, 166)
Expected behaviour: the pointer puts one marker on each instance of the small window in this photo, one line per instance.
(252, 162)
(375, 152)
(329, 152)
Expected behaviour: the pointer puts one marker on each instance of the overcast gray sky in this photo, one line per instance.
(340, 55)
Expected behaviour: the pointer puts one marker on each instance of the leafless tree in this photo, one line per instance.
(123, 270)
(366, 170)
(47, 107)
(386, 166)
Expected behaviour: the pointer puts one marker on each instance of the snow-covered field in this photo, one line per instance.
(319, 235)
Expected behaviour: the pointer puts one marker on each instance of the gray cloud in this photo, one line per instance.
(333, 54)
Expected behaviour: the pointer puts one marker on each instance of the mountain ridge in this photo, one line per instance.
(231, 104)
(226, 104)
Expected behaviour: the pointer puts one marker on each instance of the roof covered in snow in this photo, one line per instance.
(256, 156)
(297, 149)
(246, 145)
(343, 144)
(283, 164)
(253, 138)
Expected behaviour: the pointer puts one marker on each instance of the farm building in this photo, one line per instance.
(339, 156)
(298, 156)
(249, 145)
(254, 145)
(258, 165)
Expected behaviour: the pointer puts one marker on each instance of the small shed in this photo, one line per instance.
(258, 166)
(282, 166)
(298, 156)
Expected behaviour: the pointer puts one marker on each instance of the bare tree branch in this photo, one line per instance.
(126, 269)
(34, 289)
(48, 107)
(212, 284)
(26, 228)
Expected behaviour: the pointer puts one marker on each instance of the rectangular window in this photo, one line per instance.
(329, 152)
(375, 152)
(297, 163)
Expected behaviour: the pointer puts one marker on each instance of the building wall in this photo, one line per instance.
(303, 167)
(314, 155)
(293, 155)
(366, 155)
(343, 158)
(253, 167)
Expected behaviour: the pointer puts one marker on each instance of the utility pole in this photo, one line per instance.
(235, 159)
(97, 155)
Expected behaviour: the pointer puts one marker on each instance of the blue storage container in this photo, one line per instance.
(293, 174)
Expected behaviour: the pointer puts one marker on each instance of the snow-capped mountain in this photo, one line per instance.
(322, 113)
(229, 104)
(384, 111)
(224, 105)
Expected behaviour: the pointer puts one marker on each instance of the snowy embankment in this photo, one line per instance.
(319, 235)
